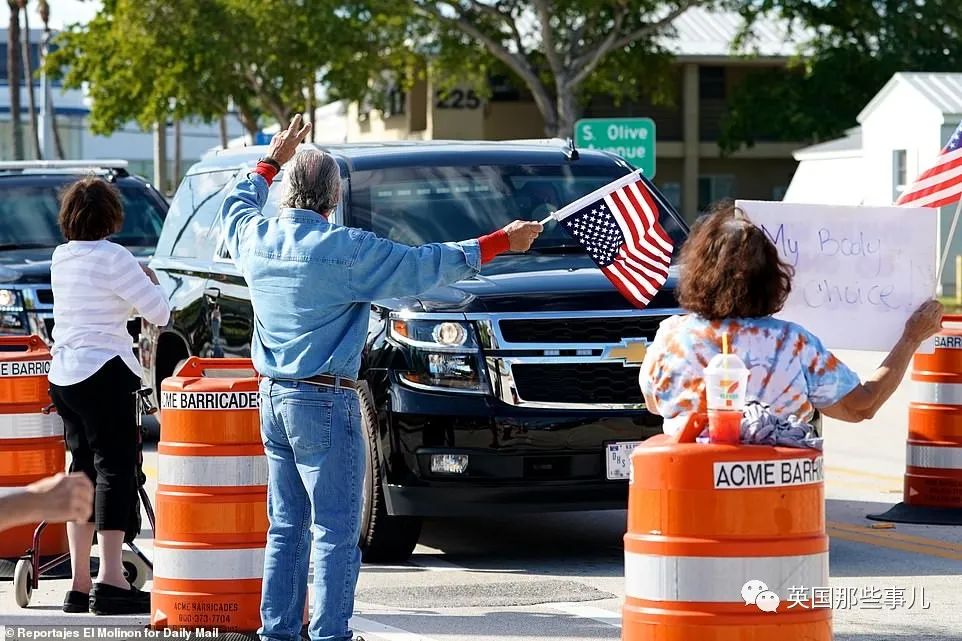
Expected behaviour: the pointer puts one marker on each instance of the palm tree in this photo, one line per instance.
(13, 77)
(44, 8)
(28, 79)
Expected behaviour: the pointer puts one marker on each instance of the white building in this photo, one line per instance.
(901, 132)
(72, 113)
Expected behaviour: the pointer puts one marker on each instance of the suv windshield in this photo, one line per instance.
(417, 205)
(29, 207)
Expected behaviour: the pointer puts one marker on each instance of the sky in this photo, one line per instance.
(62, 12)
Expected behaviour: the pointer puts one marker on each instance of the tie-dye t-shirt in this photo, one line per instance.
(790, 369)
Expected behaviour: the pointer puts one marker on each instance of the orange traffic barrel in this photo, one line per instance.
(211, 504)
(31, 442)
(724, 542)
(932, 490)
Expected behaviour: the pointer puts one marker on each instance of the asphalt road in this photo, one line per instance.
(561, 576)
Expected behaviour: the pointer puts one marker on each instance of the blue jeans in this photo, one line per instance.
(315, 456)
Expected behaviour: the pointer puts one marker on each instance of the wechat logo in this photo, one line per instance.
(756, 593)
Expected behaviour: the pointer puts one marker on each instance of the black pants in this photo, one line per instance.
(100, 429)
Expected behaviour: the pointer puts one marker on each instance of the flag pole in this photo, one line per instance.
(550, 216)
(948, 243)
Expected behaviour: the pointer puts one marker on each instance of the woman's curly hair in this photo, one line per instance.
(730, 268)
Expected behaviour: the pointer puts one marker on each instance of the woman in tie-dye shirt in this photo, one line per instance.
(732, 281)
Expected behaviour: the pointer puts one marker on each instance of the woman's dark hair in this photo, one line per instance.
(90, 209)
(730, 269)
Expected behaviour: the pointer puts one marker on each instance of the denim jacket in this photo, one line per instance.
(311, 282)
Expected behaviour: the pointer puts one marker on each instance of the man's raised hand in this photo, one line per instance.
(284, 143)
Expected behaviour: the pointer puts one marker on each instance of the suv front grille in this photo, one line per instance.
(609, 383)
(579, 330)
(579, 360)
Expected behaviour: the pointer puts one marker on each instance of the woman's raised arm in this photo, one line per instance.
(865, 400)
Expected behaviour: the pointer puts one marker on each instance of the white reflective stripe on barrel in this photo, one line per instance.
(214, 565)
(934, 456)
(718, 579)
(211, 471)
(30, 426)
(937, 393)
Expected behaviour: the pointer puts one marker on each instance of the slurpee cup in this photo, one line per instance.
(726, 380)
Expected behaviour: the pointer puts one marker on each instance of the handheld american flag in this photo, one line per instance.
(619, 227)
(942, 184)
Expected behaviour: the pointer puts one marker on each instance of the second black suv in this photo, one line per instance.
(516, 390)
(29, 232)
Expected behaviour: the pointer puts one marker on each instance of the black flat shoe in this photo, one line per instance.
(107, 599)
(76, 602)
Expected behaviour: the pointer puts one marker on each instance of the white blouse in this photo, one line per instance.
(96, 286)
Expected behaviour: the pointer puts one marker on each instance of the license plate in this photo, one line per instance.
(618, 457)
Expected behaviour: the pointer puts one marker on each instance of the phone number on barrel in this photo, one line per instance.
(220, 620)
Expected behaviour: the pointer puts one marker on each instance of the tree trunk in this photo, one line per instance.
(28, 80)
(160, 157)
(178, 153)
(568, 112)
(269, 100)
(57, 142)
(548, 108)
(249, 121)
(312, 109)
(13, 78)
(550, 115)
(281, 113)
(49, 112)
(223, 131)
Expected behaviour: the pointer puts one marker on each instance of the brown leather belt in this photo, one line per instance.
(331, 381)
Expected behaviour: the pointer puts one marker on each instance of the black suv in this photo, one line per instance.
(29, 204)
(516, 390)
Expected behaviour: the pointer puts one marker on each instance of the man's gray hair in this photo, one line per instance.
(313, 182)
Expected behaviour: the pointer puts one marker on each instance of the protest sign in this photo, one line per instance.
(860, 272)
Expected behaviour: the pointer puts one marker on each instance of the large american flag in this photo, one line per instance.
(619, 227)
(942, 184)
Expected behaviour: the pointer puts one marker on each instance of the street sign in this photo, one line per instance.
(631, 138)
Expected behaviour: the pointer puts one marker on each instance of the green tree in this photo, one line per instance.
(561, 49)
(150, 60)
(849, 50)
(143, 61)
(154, 59)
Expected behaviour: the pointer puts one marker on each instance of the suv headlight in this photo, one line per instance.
(443, 353)
(439, 335)
(13, 319)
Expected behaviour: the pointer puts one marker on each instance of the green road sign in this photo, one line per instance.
(631, 138)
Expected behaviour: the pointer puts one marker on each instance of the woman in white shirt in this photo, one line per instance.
(97, 284)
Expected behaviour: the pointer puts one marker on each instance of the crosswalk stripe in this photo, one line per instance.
(385, 632)
(589, 612)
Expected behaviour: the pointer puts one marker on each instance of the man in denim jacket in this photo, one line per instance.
(311, 283)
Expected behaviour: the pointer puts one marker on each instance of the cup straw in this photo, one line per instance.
(725, 343)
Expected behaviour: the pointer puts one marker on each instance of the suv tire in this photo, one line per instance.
(384, 538)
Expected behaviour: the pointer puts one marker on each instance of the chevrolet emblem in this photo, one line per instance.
(630, 351)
